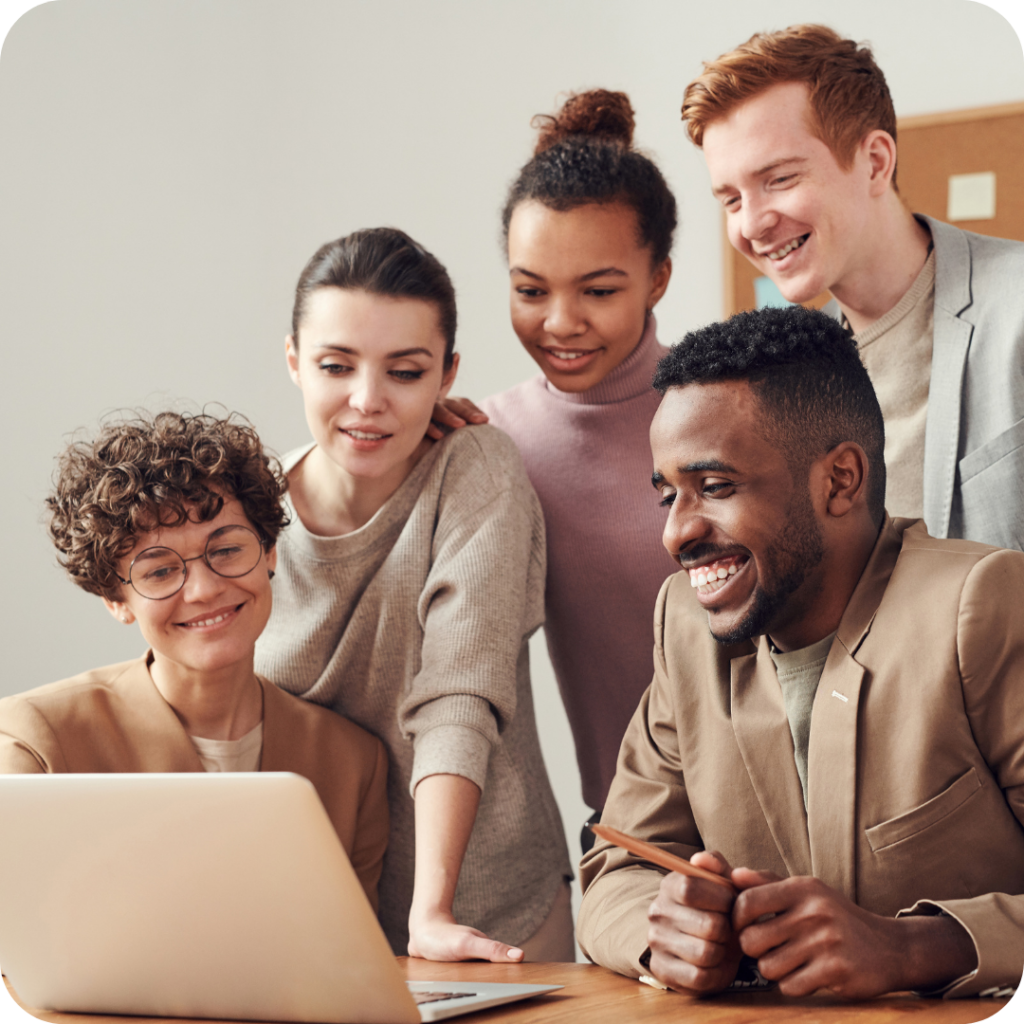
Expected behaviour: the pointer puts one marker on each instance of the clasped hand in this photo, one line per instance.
(804, 935)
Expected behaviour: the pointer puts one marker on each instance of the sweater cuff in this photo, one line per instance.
(450, 750)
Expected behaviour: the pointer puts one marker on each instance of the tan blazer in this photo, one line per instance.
(915, 764)
(113, 719)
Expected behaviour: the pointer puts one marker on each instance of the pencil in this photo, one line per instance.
(654, 854)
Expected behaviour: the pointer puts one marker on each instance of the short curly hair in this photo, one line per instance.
(146, 471)
(806, 372)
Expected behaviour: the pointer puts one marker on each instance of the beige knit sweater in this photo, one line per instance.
(415, 626)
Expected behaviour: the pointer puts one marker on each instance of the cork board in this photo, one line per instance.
(929, 149)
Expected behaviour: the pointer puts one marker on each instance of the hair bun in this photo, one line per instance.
(598, 113)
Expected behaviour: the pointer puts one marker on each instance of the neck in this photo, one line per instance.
(221, 705)
(817, 608)
(895, 251)
(332, 502)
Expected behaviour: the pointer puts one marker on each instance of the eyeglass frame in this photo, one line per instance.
(184, 562)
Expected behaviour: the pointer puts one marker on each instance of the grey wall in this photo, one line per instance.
(167, 167)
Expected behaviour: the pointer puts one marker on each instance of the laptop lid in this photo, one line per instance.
(189, 895)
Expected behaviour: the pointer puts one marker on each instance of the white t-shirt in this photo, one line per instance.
(241, 755)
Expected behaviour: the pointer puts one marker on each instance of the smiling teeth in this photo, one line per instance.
(360, 435)
(567, 356)
(709, 574)
(205, 622)
(787, 248)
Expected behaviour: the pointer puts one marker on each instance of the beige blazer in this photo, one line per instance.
(114, 719)
(915, 765)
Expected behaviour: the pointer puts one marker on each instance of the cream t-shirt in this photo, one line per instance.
(241, 755)
(897, 352)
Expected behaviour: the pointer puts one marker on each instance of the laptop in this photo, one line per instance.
(224, 896)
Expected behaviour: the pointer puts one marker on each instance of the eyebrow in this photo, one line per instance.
(767, 169)
(400, 354)
(603, 272)
(703, 466)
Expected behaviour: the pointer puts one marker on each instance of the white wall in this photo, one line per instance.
(167, 168)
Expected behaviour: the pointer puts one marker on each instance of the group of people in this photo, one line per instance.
(834, 724)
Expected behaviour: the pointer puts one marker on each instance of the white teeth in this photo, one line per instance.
(701, 579)
(693, 581)
(722, 573)
(787, 248)
(360, 435)
(732, 569)
(206, 622)
(566, 356)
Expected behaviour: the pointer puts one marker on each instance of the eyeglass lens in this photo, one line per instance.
(231, 551)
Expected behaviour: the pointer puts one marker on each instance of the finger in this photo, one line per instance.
(697, 893)
(478, 947)
(446, 417)
(766, 898)
(691, 947)
(684, 976)
(467, 410)
(711, 860)
(745, 878)
(434, 432)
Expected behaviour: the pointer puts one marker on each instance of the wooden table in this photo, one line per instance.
(593, 995)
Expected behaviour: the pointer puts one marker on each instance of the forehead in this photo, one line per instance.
(191, 533)
(720, 422)
(576, 241)
(773, 125)
(355, 318)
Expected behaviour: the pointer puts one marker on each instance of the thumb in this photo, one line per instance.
(479, 947)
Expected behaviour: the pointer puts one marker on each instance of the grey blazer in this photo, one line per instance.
(974, 436)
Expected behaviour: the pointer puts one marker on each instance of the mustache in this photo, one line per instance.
(702, 554)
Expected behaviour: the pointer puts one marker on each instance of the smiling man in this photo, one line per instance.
(799, 134)
(837, 704)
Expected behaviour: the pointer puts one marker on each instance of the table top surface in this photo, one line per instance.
(598, 996)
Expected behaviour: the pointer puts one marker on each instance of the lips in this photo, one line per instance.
(568, 360)
(784, 250)
(212, 619)
(711, 577)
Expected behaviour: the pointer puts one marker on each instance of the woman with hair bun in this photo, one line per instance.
(408, 584)
(588, 225)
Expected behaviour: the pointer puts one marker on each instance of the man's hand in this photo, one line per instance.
(693, 945)
(450, 414)
(819, 939)
(437, 936)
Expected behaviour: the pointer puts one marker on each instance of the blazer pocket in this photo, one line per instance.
(912, 822)
(1009, 443)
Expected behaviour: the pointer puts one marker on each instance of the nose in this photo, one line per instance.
(367, 396)
(564, 318)
(201, 582)
(757, 217)
(684, 528)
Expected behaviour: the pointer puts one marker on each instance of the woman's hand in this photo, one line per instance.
(452, 413)
(437, 936)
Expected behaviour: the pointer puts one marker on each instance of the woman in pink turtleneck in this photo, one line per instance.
(589, 225)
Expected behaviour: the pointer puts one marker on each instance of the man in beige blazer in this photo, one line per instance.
(849, 736)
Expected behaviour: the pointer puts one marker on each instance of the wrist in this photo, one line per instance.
(934, 951)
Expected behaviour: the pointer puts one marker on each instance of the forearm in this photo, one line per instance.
(446, 807)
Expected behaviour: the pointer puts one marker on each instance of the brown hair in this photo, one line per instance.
(382, 261)
(149, 471)
(584, 154)
(848, 94)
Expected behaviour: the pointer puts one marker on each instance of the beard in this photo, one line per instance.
(787, 563)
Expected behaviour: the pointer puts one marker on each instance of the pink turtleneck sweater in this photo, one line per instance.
(588, 456)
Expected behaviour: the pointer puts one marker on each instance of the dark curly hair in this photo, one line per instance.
(147, 471)
(584, 155)
(806, 372)
(381, 261)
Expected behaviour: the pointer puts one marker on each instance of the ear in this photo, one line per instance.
(448, 379)
(291, 354)
(659, 283)
(119, 610)
(878, 148)
(846, 470)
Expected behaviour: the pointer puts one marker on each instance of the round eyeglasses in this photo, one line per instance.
(159, 573)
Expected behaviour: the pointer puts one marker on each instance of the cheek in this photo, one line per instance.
(526, 321)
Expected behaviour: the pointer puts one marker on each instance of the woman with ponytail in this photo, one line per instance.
(588, 225)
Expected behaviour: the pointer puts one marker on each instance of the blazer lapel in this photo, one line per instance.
(766, 745)
(951, 340)
(832, 751)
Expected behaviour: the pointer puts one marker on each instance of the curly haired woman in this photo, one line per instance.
(172, 520)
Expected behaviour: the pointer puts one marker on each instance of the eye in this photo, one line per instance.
(667, 499)
(407, 375)
(160, 572)
(529, 293)
(718, 488)
(785, 179)
(601, 293)
(333, 369)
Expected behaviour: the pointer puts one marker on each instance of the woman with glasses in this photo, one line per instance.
(172, 521)
(409, 582)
